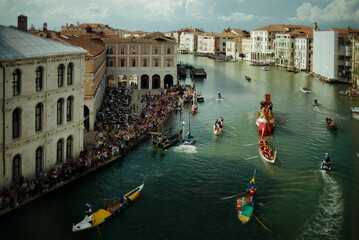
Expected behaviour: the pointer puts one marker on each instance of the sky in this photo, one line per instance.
(172, 15)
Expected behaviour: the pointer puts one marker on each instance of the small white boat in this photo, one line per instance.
(354, 110)
(265, 69)
(305, 90)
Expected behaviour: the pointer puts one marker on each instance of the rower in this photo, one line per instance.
(219, 95)
(327, 158)
(251, 194)
(88, 209)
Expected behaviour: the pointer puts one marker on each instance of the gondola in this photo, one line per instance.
(245, 206)
(109, 210)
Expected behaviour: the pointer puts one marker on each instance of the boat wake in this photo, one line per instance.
(251, 158)
(327, 219)
(185, 149)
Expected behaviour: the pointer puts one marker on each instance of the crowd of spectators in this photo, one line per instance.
(119, 126)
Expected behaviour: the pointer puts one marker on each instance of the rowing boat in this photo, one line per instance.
(266, 152)
(245, 205)
(108, 211)
(218, 126)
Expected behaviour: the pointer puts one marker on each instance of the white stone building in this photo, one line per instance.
(42, 100)
(233, 48)
(188, 42)
(284, 49)
(302, 54)
(246, 48)
(207, 43)
(332, 55)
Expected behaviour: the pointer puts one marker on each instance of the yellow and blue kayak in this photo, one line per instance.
(109, 210)
(245, 205)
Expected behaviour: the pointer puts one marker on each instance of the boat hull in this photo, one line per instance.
(245, 208)
(264, 158)
(265, 129)
(103, 215)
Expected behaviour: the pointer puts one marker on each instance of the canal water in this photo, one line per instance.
(181, 198)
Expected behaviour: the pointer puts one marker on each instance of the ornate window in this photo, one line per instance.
(38, 117)
(59, 151)
(60, 75)
(69, 109)
(59, 108)
(16, 82)
(69, 148)
(156, 50)
(38, 160)
(145, 62)
(70, 69)
(122, 50)
(16, 167)
(38, 79)
(133, 50)
(145, 50)
(133, 62)
(16, 123)
(169, 50)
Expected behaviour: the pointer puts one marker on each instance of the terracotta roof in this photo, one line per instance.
(346, 32)
(282, 28)
(151, 38)
(92, 47)
(241, 32)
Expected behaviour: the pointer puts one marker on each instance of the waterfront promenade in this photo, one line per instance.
(127, 118)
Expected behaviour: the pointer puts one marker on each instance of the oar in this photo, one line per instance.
(232, 127)
(229, 132)
(261, 223)
(258, 220)
(98, 230)
(108, 199)
(232, 196)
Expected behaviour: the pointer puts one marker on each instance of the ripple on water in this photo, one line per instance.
(327, 219)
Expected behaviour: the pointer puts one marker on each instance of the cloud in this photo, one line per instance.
(239, 16)
(335, 11)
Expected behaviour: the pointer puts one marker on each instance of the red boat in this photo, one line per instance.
(265, 118)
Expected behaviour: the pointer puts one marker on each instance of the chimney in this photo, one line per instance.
(22, 23)
(78, 23)
(45, 27)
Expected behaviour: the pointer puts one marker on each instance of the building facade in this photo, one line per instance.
(355, 62)
(303, 53)
(206, 43)
(42, 104)
(144, 63)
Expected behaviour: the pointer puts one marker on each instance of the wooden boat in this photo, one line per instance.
(331, 123)
(266, 152)
(108, 211)
(305, 90)
(172, 140)
(247, 77)
(354, 110)
(265, 118)
(245, 206)
(218, 126)
(198, 72)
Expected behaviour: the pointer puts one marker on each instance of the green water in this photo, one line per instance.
(181, 198)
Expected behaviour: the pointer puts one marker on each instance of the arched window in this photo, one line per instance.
(168, 50)
(145, 62)
(60, 75)
(16, 167)
(38, 117)
(133, 62)
(16, 82)
(70, 69)
(156, 62)
(156, 50)
(38, 159)
(69, 148)
(38, 79)
(59, 150)
(59, 109)
(16, 123)
(69, 109)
